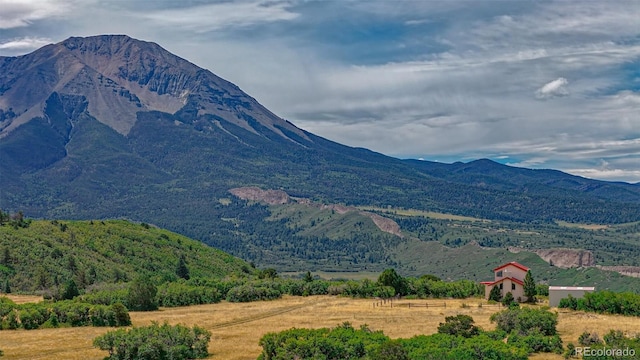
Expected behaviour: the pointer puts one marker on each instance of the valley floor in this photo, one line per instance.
(237, 327)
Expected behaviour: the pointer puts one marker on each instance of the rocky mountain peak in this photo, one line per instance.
(120, 76)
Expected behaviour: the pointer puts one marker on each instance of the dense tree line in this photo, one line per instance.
(605, 302)
(61, 313)
(143, 294)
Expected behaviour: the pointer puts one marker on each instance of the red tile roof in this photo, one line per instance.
(491, 283)
(519, 266)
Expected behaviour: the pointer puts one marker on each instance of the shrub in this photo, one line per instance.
(341, 342)
(542, 289)
(508, 300)
(448, 347)
(67, 312)
(495, 295)
(537, 343)
(107, 295)
(180, 294)
(155, 342)
(70, 290)
(247, 293)
(459, 325)
(525, 321)
(142, 295)
(588, 339)
(390, 350)
(390, 277)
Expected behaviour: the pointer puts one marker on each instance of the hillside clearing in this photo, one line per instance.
(237, 327)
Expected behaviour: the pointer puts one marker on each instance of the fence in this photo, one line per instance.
(393, 302)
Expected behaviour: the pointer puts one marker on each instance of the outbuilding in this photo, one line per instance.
(557, 293)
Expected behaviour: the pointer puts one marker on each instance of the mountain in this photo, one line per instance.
(110, 127)
(487, 173)
(48, 253)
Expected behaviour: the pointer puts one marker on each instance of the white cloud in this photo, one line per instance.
(26, 43)
(20, 13)
(555, 88)
(216, 16)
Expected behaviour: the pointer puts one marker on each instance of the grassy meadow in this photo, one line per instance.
(237, 327)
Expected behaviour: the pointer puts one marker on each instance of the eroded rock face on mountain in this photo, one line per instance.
(271, 197)
(567, 258)
(633, 271)
(563, 258)
(278, 197)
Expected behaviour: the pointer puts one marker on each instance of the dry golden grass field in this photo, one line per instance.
(237, 328)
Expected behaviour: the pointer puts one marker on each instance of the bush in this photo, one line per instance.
(390, 350)
(67, 312)
(107, 295)
(508, 300)
(459, 325)
(494, 294)
(180, 294)
(247, 293)
(142, 295)
(607, 302)
(588, 339)
(542, 289)
(70, 290)
(448, 347)
(390, 277)
(342, 342)
(525, 321)
(155, 342)
(537, 343)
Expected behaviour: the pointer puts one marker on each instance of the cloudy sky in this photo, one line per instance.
(536, 84)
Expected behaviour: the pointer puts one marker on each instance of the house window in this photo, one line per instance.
(500, 286)
(513, 286)
(499, 273)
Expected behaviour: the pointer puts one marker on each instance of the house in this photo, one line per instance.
(557, 293)
(508, 278)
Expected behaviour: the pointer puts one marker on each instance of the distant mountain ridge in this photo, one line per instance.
(111, 127)
(488, 173)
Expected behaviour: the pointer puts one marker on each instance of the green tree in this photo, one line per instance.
(269, 273)
(6, 288)
(6, 256)
(494, 294)
(70, 290)
(459, 325)
(530, 290)
(158, 342)
(142, 294)
(121, 314)
(307, 277)
(508, 300)
(390, 277)
(390, 350)
(182, 270)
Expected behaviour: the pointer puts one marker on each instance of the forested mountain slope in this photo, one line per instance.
(51, 252)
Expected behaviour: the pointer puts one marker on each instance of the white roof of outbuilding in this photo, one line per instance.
(587, 288)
